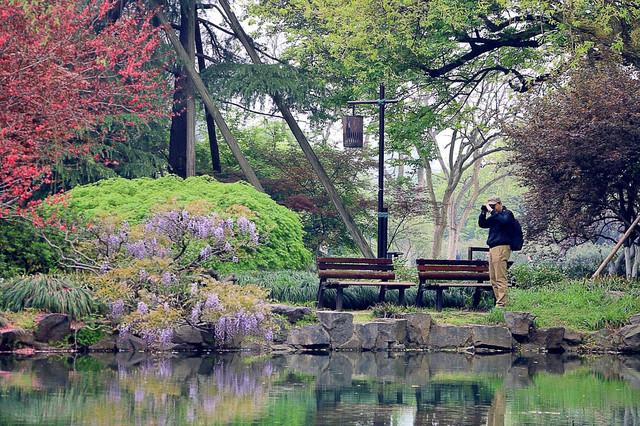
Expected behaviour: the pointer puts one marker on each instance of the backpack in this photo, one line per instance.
(517, 237)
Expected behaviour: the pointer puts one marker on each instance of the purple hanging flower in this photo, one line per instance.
(164, 336)
(212, 302)
(124, 329)
(206, 252)
(137, 249)
(167, 278)
(105, 267)
(143, 275)
(196, 311)
(143, 308)
(117, 308)
(243, 224)
(194, 288)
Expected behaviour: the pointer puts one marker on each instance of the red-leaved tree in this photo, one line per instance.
(65, 67)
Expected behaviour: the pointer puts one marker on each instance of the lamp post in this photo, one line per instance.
(351, 134)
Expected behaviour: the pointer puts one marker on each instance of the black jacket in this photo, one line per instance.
(500, 227)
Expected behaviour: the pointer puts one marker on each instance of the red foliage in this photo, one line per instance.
(64, 68)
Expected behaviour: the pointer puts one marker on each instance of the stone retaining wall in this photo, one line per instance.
(417, 331)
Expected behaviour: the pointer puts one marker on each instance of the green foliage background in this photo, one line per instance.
(133, 200)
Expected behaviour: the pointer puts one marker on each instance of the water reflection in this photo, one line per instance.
(343, 388)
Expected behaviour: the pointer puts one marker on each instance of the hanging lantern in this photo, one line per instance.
(352, 130)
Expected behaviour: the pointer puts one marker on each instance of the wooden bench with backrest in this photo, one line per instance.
(438, 275)
(343, 272)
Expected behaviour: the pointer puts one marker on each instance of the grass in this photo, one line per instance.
(25, 320)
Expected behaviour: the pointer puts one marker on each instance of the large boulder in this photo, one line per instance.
(630, 335)
(635, 319)
(367, 334)
(339, 325)
(392, 333)
(311, 337)
(53, 328)
(292, 313)
(573, 338)
(187, 335)
(418, 326)
(449, 336)
(106, 344)
(549, 339)
(130, 343)
(491, 337)
(520, 324)
(11, 337)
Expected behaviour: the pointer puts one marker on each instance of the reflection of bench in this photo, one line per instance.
(343, 272)
(438, 275)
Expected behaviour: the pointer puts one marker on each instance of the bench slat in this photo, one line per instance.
(432, 286)
(465, 268)
(370, 283)
(355, 267)
(468, 276)
(381, 275)
(358, 260)
(450, 262)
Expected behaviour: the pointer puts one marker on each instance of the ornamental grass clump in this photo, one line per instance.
(60, 294)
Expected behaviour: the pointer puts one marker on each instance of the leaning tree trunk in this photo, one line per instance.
(183, 125)
(278, 100)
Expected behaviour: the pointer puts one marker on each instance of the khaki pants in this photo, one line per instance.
(498, 257)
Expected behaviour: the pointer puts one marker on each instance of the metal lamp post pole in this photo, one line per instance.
(383, 214)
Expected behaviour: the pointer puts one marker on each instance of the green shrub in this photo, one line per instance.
(583, 260)
(23, 250)
(90, 334)
(136, 199)
(47, 293)
(528, 275)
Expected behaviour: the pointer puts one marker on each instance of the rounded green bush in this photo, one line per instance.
(134, 200)
(47, 293)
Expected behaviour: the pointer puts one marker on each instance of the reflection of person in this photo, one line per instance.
(500, 223)
(498, 409)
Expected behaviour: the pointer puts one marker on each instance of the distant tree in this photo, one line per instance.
(61, 76)
(578, 151)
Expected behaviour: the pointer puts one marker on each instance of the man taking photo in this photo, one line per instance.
(500, 223)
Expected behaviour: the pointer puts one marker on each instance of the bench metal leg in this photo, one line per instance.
(439, 299)
(477, 295)
(383, 290)
(320, 294)
(401, 296)
(339, 295)
(420, 295)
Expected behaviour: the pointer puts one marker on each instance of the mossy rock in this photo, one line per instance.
(135, 200)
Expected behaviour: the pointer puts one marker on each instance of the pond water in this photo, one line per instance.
(341, 388)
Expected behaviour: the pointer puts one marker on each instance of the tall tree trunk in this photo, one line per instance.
(356, 235)
(183, 125)
(246, 168)
(211, 125)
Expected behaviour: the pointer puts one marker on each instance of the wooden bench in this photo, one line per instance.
(438, 275)
(343, 272)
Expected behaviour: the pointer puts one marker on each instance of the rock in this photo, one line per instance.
(106, 344)
(491, 337)
(520, 324)
(573, 338)
(53, 328)
(130, 343)
(339, 325)
(281, 349)
(449, 336)
(630, 338)
(13, 337)
(309, 337)
(292, 313)
(635, 319)
(418, 326)
(367, 335)
(186, 334)
(605, 339)
(281, 330)
(391, 332)
(353, 344)
(549, 338)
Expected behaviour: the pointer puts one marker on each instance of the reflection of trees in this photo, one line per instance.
(151, 391)
(305, 390)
